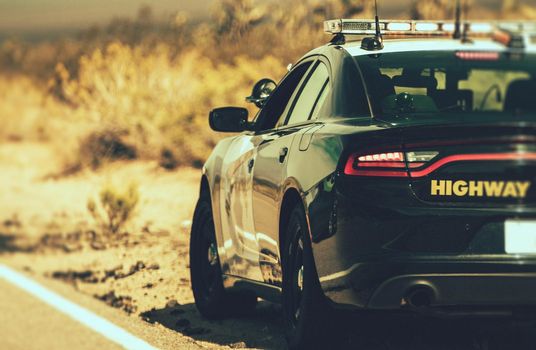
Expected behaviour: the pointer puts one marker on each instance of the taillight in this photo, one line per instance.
(477, 56)
(418, 164)
(420, 157)
(389, 164)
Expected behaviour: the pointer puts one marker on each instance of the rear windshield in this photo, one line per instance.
(450, 86)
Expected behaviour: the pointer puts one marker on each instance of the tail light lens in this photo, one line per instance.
(477, 56)
(419, 164)
(389, 160)
(390, 164)
(420, 157)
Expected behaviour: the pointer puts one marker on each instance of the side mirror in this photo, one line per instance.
(229, 119)
(261, 91)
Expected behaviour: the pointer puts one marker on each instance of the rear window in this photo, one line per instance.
(450, 86)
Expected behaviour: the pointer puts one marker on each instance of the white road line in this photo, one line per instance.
(339, 274)
(84, 316)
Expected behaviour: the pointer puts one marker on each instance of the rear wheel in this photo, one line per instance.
(211, 299)
(305, 307)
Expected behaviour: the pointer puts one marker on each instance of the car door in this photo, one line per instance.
(272, 157)
(240, 245)
(240, 248)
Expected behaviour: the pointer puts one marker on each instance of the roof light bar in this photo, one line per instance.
(426, 27)
(410, 27)
(398, 26)
(449, 27)
(484, 28)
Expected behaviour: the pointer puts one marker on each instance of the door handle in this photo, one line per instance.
(283, 154)
(250, 165)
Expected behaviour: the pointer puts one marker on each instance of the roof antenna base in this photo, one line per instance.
(338, 39)
(371, 43)
(374, 43)
(465, 35)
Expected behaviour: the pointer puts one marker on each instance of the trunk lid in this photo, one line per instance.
(476, 165)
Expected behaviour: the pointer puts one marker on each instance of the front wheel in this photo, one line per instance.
(211, 299)
(305, 307)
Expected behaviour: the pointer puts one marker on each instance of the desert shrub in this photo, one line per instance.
(143, 87)
(155, 81)
(158, 100)
(114, 208)
(433, 9)
(105, 145)
(27, 112)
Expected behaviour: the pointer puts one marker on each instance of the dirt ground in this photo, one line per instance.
(143, 273)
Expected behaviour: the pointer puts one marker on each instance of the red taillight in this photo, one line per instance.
(383, 157)
(389, 164)
(474, 158)
(477, 56)
(420, 163)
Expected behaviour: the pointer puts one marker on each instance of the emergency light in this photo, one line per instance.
(412, 27)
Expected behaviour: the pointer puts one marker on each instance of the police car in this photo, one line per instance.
(391, 169)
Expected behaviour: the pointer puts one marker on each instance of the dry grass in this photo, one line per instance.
(156, 100)
(115, 207)
(146, 86)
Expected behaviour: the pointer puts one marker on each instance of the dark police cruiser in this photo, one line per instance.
(392, 169)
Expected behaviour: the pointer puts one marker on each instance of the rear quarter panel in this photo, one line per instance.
(318, 174)
(315, 170)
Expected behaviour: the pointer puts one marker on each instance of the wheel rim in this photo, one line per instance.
(297, 281)
(208, 258)
(212, 254)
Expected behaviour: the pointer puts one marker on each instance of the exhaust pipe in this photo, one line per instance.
(420, 296)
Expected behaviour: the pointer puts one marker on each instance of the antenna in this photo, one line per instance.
(458, 21)
(376, 42)
(465, 34)
(377, 19)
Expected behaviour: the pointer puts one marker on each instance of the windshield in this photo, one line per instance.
(450, 86)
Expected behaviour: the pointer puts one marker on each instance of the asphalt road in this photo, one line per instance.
(37, 313)
(28, 323)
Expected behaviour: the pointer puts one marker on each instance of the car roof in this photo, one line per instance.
(353, 48)
(415, 45)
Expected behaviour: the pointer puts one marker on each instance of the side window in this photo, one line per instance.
(311, 97)
(321, 100)
(350, 98)
(276, 106)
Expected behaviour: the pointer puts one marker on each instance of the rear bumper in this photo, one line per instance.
(455, 290)
(374, 257)
(374, 243)
(384, 287)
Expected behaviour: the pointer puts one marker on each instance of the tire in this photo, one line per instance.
(305, 308)
(211, 299)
